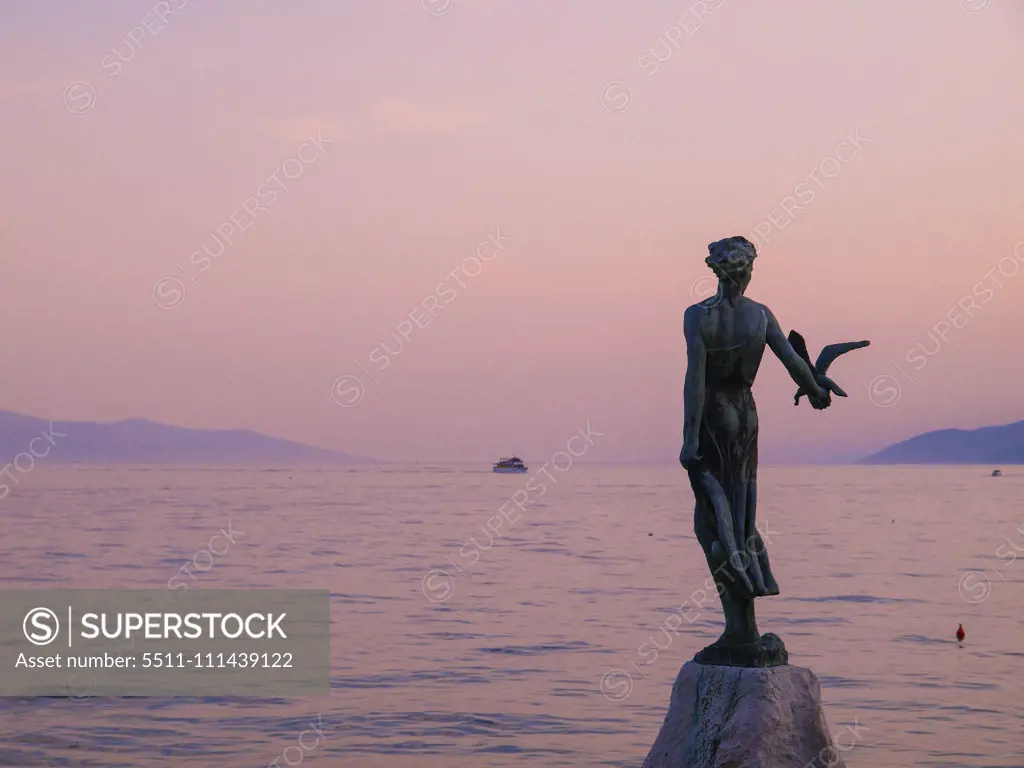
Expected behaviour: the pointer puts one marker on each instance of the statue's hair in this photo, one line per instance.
(731, 256)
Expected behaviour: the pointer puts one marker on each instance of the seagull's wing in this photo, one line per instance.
(832, 351)
(800, 347)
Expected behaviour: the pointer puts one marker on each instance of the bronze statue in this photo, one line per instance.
(725, 340)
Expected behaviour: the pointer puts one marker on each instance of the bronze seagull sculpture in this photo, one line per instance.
(825, 359)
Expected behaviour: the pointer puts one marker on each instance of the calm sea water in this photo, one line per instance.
(501, 663)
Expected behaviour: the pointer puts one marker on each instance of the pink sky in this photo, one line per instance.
(510, 116)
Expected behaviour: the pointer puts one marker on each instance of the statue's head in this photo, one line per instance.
(732, 259)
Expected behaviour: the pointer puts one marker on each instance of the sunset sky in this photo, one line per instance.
(875, 149)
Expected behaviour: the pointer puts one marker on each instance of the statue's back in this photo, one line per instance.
(734, 337)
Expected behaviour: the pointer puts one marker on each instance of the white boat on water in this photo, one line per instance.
(997, 473)
(513, 465)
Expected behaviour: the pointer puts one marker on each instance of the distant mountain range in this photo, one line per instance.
(147, 442)
(988, 445)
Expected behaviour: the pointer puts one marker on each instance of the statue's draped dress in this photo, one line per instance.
(728, 446)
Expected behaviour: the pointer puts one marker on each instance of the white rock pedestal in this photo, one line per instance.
(741, 717)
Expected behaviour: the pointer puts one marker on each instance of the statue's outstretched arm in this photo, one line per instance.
(798, 368)
(693, 386)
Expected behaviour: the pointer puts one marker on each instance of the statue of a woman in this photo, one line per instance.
(725, 340)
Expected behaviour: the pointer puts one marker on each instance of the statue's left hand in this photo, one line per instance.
(689, 457)
(821, 399)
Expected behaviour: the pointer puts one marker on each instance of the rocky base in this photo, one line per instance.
(769, 651)
(726, 716)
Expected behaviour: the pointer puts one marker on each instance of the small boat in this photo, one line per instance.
(997, 473)
(510, 465)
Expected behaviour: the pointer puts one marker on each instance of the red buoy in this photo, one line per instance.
(960, 634)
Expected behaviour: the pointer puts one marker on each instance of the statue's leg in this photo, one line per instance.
(739, 612)
(740, 622)
(728, 431)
